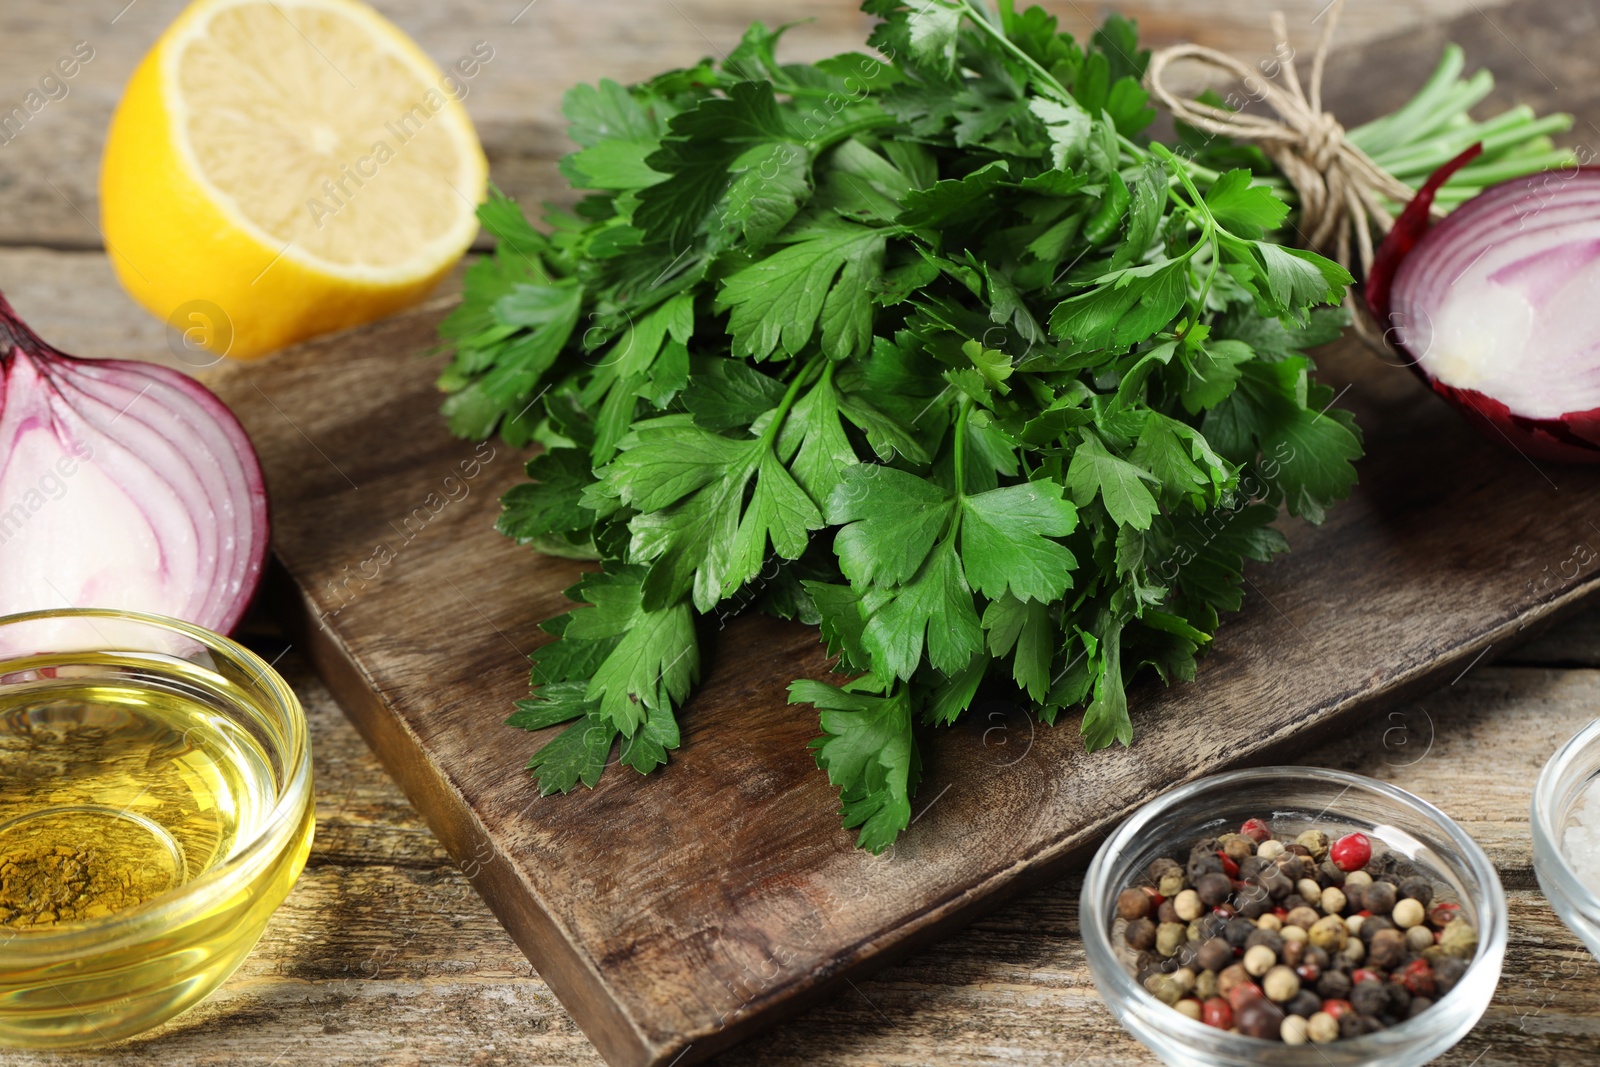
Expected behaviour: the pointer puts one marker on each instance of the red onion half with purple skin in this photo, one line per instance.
(1497, 307)
(122, 485)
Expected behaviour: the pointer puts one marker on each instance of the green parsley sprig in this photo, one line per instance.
(929, 349)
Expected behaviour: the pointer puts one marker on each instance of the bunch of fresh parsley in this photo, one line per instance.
(929, 349)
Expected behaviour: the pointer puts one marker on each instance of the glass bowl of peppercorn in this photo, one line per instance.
(1291, 916)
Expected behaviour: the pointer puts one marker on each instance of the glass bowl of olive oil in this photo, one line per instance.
(155, 809)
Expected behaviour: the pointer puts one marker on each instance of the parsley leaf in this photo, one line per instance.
(870, 756)
(822, 273)
(1120, 485)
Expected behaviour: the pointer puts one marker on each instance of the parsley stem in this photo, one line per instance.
(960, 455)
(1045, 79)
(801, 380)
(830, 138)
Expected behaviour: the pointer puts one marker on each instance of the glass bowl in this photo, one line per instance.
(1294, 799)
(155, 809)
(1556, 799)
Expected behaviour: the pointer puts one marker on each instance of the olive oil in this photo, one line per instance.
(113, 794)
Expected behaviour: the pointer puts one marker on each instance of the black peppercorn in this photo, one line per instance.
(1350, 1025)
(1385, 866)
(1253, 901)
(1293, 865)
(1168, 912)
(1372, 926)
(1355, 895)
(1369, 997)
(1202, 864)
(1214, 955)
(1400, 999)
(1271, 938)
(1305, 1004)
(1333, 985)
(1387, 949)
(1380, 897)
(1252, 866)
(1329, 874)
(1417, 889)
(1211, 925)
(1293, 953)
(1446, 973)
(1140, 935)
(1238, 931)
(1317, 957)
(1275, 882)
(1418, 1006)
(1213, 888)
(1258, 1017)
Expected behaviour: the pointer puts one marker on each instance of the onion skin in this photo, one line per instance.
(1573, 437)
(183, 444)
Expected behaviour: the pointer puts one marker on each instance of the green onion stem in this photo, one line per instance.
(1505, 170)
(1396, 129)
(1468, 95)
(1500, 132)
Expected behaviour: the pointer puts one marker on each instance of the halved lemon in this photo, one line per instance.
(281, 168)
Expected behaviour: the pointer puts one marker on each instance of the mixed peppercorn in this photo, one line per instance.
(1295, 941)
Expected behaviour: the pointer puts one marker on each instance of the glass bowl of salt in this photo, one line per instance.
(1566, 834)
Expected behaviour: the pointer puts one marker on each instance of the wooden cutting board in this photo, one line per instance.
(677, 913)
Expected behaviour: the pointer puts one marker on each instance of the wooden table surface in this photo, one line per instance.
(383, 954)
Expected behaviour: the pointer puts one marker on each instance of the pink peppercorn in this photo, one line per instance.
(1351, 852)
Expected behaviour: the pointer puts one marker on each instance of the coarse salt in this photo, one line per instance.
(1581, 841)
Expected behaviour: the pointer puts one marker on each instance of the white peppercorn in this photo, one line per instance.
(1322, 1028)
(1408, 913)
(1280, 984)
(1259, 960)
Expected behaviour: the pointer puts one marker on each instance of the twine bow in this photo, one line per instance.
(1341, 189)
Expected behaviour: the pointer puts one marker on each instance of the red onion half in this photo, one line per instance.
(122, 485)
(1498, 307)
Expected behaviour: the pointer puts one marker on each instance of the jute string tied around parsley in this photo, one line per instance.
(1341, 189)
